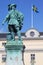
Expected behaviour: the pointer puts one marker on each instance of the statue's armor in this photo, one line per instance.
(13, 18)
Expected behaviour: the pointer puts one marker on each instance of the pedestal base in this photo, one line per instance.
(14, 53)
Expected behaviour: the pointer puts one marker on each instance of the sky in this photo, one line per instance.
(23, 6)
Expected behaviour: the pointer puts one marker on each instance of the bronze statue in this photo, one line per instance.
(14, 20)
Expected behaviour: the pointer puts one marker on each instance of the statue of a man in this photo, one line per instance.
(15, 21)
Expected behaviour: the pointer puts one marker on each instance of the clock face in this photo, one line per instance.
(32, 33)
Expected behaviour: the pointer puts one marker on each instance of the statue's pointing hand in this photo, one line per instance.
(3, 23)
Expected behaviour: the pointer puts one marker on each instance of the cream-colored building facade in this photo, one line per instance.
(33, 53)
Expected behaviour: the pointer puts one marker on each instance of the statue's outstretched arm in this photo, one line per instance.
(6, 19)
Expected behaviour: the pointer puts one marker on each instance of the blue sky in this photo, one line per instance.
(25, 7)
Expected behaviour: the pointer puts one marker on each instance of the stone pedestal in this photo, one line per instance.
(14, 51)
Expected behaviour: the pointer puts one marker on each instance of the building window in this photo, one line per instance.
(32, 56)
(3, 44)
(3, 58)
(32, 59)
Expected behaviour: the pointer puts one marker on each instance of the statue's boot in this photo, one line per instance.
(13, 35)
(8, 37)
(19, 35)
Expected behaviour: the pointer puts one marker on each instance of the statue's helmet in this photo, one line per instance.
(11, 5)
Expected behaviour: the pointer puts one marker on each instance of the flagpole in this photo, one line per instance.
(32, 21)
